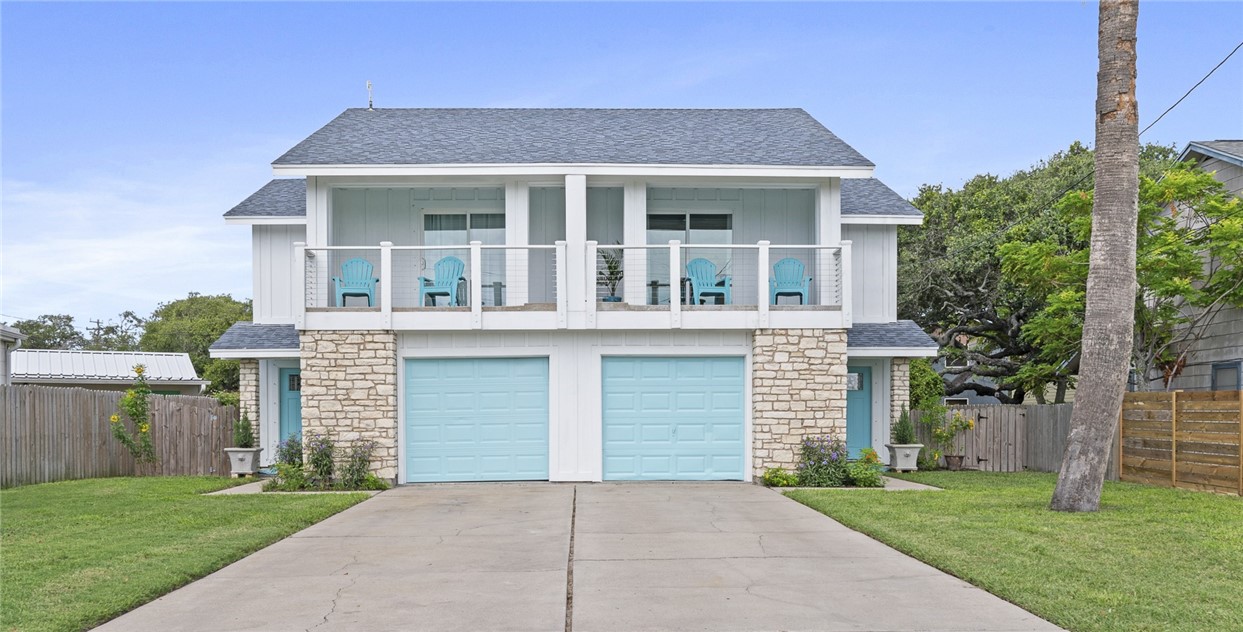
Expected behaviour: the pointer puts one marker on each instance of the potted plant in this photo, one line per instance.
(945, 430)
(904, 451)
(244, 456)
(612, 274)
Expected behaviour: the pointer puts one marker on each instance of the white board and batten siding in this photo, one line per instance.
(574, 378)
(875, 271)
(275, 275)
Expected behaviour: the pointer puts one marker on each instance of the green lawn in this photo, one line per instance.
(1151, 559)
(77, 553)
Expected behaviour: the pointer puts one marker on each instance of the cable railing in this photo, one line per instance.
(414, 287)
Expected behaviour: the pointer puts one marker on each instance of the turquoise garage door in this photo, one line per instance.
(476, 419)
(673, 418)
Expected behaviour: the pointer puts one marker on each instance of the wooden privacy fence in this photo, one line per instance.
(1188, 439)
(53, 434)
(1011, 438)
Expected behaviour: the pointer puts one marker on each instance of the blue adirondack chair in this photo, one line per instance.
(355, 280)
(448, 279)
(702, 274)
(788, 280)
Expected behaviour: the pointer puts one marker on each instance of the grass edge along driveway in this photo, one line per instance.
(78, 553)
(1151, 559)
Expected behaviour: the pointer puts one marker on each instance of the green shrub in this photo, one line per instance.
(228, 398)
(865, 474)
(372, 482)
(243, 432)
(289, 478)
(904, 432)
(357, 464)
(927, 387)
(822, 462)
(777, 477)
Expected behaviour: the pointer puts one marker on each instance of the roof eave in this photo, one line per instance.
(278, 220)
(888, 220)
(589, 169)
(1194, 147)
(891, 352)
(253, 354)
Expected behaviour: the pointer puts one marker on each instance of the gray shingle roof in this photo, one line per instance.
(785, 137)
(869, 196)
(1232, 147)
(278, 198)
(903, 333)
(247, 335)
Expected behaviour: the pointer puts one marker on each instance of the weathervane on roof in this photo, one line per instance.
(369, 103)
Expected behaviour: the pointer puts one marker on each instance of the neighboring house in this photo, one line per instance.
(10, 340)
(167, 373)
(564, 251)
(1215, 360)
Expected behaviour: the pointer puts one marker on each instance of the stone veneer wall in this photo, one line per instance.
(798, 389)
(349, 391)
(899, 389)
(248, 391)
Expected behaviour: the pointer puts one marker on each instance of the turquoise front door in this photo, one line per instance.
(476, 419)
(678, 418)
(858, 409)
(290, 403)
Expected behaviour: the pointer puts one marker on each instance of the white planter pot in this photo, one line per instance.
(243, 460)
(904, 457)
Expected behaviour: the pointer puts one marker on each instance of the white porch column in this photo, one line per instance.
(517, 233)
(828, 226)
(576, 250)
(634, 233)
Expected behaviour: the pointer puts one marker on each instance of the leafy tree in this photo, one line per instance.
(950, 277)
(1111, 288)
(51, 331)
(1189, 254)
(190, 325)
(927, 389)
(121, 335)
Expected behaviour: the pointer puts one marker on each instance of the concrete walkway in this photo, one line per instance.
(691, 556)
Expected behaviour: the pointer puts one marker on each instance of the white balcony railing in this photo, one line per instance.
(681, 279)
(477, 286)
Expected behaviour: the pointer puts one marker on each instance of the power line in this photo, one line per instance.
(1047, 206)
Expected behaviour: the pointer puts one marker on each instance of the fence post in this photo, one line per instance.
(1118, 442)
(1174, 439)
(561, 282)
(761, 287)
(476, 285)
(386, 283)
(675, 284)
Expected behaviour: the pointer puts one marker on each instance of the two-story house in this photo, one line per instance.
(575, 294)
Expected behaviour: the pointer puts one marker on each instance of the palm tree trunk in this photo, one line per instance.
(1109, 320)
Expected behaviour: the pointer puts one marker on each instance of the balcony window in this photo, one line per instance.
(459, 229)
(688, 228)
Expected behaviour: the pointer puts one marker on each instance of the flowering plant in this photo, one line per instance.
(944, 430)
(320, 458)
(822, 462)
(136, 405)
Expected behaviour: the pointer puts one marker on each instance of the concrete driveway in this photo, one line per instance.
(639, 556)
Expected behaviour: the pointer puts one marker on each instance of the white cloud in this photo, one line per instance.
(97, 245)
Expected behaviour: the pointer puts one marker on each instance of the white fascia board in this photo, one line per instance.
(254, 354)
(885, 220)
(247, 221)
(891, 352)
(552, 169)
(36, 379)
(1210, 153)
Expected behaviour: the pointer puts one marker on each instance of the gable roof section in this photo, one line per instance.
(248, 336)
(469, 136)
(1230, 151)
(862, 197)
(283, 197)
(60, 365)
(903, 334)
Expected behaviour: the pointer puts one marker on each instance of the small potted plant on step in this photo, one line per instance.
(244, 457)
(611, 274)
(904, 451)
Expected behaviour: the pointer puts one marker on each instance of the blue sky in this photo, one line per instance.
(128, 129)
